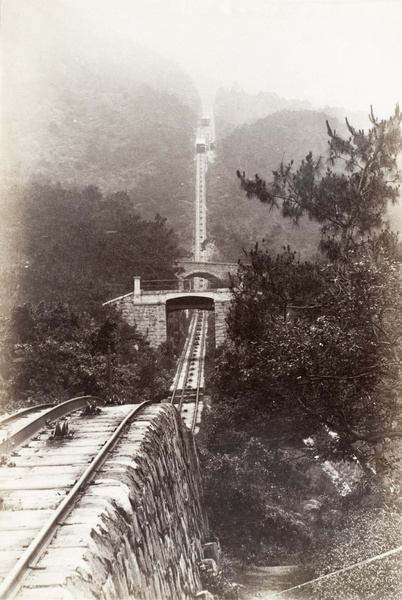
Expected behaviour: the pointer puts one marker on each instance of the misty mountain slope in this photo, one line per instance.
(81, 110)
(235, 221)
(236, 107)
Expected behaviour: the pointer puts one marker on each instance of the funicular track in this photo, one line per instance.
(41, 479)
(50, 453)
(188, 387)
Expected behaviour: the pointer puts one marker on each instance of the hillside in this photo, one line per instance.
(233, 220)
(236, 107)
(78, 246)
(83, 108)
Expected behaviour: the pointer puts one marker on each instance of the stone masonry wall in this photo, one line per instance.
(221, 309)
(138, 531)
(149, 318)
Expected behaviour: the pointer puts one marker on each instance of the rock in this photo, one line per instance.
(210, 565)
(212, 550)
(204, 595)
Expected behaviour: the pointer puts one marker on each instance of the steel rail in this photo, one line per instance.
(188, 363)
(15, 578)
(7, 419)
(361, 563)
(55, 412)
(199, 374)
(192, 328)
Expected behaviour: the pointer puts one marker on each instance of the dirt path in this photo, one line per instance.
(260, 583)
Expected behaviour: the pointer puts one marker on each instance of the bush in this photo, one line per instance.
(51, 353)
(254, 500)
(366, 533)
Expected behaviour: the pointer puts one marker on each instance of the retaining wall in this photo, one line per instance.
(150, 320)
(138, 531)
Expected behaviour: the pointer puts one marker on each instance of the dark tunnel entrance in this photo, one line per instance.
(189, 303)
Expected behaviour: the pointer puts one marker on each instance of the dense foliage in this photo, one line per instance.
(319, 346)
(311, 370)
(78, 246)
(320, 342)
(66, 251)
(259, 497)
(50, 353)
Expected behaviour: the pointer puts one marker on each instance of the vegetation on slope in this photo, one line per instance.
(91, 121)
(259, 148)
(83, 107)
(311, 370)
(66, 251)
(79, 246)
(234, 107)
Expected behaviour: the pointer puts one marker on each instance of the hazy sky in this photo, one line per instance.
(344, 53)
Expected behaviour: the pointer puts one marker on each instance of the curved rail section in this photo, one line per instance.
(5, 420)
(116, 422)
(46, 414)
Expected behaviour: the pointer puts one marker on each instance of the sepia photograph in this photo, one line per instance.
(200, 300)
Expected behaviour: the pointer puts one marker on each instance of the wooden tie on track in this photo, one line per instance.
(188, 385)
(41, 479)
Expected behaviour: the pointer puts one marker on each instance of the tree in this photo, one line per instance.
(53, 352)
(77, 246)
(316, 347)
(350, 201)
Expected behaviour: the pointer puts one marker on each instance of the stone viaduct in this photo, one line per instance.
(148, 308)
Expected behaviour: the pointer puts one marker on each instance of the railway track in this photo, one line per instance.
(44, 475)
(188, 386)
(49, 454)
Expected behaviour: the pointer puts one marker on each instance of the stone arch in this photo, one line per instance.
(215, 282)
(215, 272)
(202, 275)
(148, 310)
(203, 302)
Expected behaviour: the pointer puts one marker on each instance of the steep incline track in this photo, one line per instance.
(188, 386)
(49, 454)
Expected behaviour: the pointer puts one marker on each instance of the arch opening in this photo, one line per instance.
(189, 303)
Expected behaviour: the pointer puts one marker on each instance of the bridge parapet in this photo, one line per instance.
(163, 290)
(207, 270)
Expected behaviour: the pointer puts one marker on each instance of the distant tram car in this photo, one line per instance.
(201, 145)
(205, 121)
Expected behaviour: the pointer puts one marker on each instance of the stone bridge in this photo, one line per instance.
(148, 309)
(213, 271)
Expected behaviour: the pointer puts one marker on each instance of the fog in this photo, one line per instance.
(329, 52)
